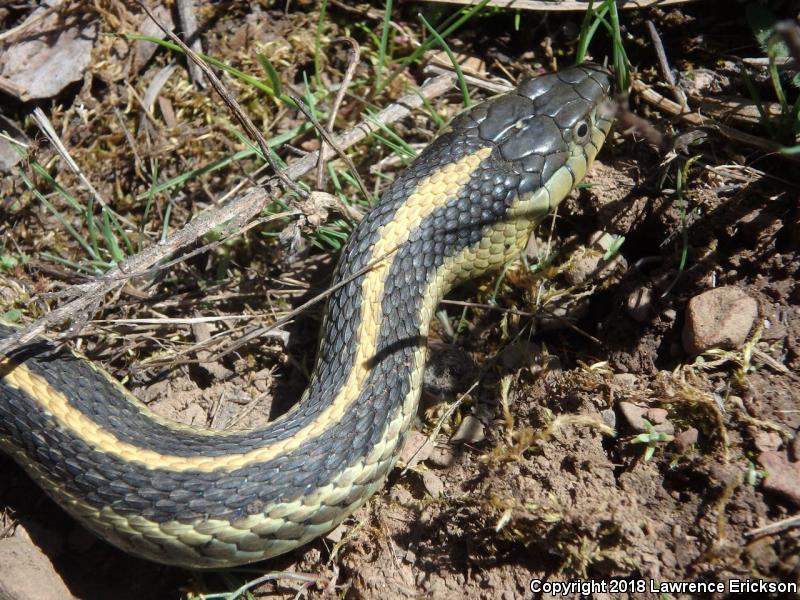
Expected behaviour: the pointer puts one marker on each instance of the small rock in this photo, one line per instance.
(737, 402)
(685, 439)
(609, 417)
(433, 484)
(656, 415)
(590, 264)
(670, 314)
(759, 225)
(415, 449)
(724, 475)
(639, 304)
(795, 446)
(469, 432)
(783, 476)
(767, 441)
(401, 495)
(634, 415)
(338, 533)
(442, 456)
(773, 331)
(719, 318)
(626, 380)
(28, 574)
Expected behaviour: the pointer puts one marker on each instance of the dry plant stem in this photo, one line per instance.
(776, 527)
(232, 104)
(494, 87)
(188, 17)
(353, 55)
(522, 313)
(37, 15)
(782, 62)
(12, 89)
(327, 137)
(237, 212)
(666, 72)
(47, 129)
(553, 5)
(650, 96)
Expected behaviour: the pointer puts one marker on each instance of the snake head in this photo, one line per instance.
(548, 122)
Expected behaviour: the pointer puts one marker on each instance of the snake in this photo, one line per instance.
(202, 498)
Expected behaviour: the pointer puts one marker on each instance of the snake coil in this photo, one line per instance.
(201, 498)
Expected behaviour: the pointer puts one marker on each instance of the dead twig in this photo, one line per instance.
(565, 5)
(776, 527)
(232, 104)
(651, 96)
(187, 13)
(666, 72)
(353, 55)
(327, 137)
(235, 214)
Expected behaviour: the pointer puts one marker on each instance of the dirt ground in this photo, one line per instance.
(529, 466)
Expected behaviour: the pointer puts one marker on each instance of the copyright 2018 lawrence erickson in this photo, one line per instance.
(589, 587)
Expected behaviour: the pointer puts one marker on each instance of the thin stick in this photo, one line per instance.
(651, 96)
(352, 62)
(327, 137)
(82, 297)
(233, 105)
(666, 72)
(565, 5)
(187, 13)
(775, 527)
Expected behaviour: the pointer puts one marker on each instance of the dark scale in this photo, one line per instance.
(529, 132)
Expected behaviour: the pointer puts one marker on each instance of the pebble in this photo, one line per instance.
(636, 416)
(433, 484)
(609, 417)
(27, 573)
(591, 265)
(398, 494)
(719, 318)
(783, 477)
(442, 456)
(639, 304)
(685, 439)
(626, 380)
(469, 432)
(415, 449)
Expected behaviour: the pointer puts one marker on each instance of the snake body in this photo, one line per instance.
(201, 498)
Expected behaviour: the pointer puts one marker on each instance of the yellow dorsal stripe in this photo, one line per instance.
(431, 193)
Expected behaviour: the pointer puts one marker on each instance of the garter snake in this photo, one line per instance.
(201, 498)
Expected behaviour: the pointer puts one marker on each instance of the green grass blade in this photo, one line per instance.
(465, 16)
(459, 74)
(387, 17)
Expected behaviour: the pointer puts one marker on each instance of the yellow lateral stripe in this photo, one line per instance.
(431, 193)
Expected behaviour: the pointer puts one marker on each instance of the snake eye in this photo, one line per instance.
(581, 132)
